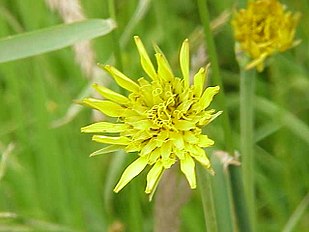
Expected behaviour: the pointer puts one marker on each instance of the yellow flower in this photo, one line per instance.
(161, 119)
(263, 29)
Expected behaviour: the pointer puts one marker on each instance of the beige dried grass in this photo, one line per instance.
(71, 11)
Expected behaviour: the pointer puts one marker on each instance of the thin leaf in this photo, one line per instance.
(52, 38)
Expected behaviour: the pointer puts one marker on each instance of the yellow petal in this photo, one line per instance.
(154, 156)
(166, 150)
(107, 107)
(185, 105)
(167, 163)
(185, 62)
(121, 79)
(153, 177)
(145, 60)
(149, 147)
(204, 141)
(179, 153)
(190, 137)
(200, 155)
(134, 146)
(184, 125)
(259, 63)
(207, 97)
(101, 127)
(203, 160)
(142, 124)
(108, 149)
(111, 140)
(177, 139)
(163, 135)
(213, 117)
(111, 95)
(142, 135)
(158, 50)
(164, 71)
(199, 81)
(187, 166)
(131, 171)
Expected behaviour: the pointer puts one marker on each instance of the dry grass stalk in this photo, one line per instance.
(172, 194)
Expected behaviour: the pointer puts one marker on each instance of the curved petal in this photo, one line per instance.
(131, 171)
(164, 71)
(207, 97)
(111, 95)
(199, 81)
(145, 60)
(108, 149)
(121, 79)
(204, 141)
(109, 108)
(153, 176)
(101, 127)
(185, 62)
(184, 125)
(111, 140)
(187, 166)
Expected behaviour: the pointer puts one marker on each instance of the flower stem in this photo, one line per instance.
(211, 49)
(235, 177)
(221, 193)
(115, 35)
(207, 199)
(246, 135)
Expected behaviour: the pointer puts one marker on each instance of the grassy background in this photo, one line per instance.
(50, 184)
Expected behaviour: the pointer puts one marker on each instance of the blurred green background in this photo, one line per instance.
(47, 180)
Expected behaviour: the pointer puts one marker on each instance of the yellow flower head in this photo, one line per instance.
(263, 29)
(161, 119)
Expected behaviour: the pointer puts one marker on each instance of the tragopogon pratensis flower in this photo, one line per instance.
(264, 28)
(161, 119)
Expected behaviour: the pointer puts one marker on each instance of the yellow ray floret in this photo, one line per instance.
(264, 28)
(161, 119)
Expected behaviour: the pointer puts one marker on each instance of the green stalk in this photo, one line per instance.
(207, 199)
(235, 177)
(221, 194)
(246, 136)
(239, 199)
(115, 36)
(211, 49)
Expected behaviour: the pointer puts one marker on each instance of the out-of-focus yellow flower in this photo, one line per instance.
(161, 119)
(264, 28)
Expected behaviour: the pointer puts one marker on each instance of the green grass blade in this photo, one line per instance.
(289, 120)
(221, 193)
(298, 213)
(52, 38)
(208, 203)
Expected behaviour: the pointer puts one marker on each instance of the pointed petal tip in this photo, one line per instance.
(101, 66)
(95, 85)
(211, 171)
(79, 102)
(107, 67)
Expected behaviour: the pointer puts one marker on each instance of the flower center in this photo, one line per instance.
(161, 114)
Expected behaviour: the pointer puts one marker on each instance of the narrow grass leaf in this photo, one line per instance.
(52, 38)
